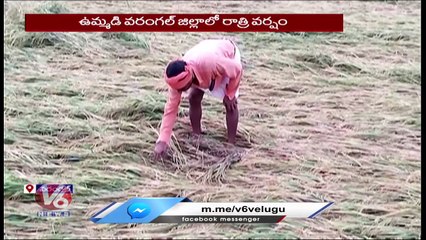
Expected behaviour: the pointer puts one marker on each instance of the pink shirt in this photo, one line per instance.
(210, 59)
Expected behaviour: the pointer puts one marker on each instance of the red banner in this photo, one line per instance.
(184, 22)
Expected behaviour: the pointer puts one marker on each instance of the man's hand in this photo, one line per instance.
(230, 105)
(160, 150)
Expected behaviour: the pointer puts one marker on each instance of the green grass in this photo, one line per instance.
(134, 39)
(13, 186)
(405, 75)
(9, 137)
(323, 117)
(150, 108)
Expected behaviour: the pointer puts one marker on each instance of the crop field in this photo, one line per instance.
(323, 117)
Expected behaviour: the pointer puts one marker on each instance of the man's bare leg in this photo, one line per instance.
(195, 111)
(232, 115)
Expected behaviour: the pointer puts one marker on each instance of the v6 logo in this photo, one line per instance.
(53, 196)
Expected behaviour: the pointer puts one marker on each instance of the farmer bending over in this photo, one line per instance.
(212, 66)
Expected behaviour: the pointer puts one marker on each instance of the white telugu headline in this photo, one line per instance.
(242, 22)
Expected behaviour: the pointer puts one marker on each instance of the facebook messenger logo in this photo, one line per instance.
(138, 210)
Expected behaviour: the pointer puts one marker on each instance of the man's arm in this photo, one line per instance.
(171, 110)
(234, 71)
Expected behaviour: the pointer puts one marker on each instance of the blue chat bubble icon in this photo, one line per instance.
(138, 210)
